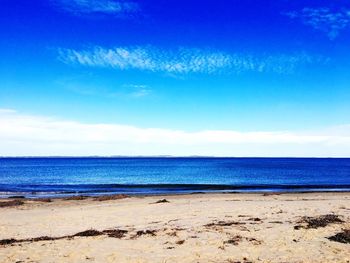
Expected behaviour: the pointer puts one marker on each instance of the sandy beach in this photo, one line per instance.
(182, 228)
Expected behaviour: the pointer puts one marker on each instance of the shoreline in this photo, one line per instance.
(92, 196)
(57, 191)
(141, 195)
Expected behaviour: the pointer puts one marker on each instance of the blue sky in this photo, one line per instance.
(194, 67)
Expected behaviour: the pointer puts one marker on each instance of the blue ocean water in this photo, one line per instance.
(37, 177)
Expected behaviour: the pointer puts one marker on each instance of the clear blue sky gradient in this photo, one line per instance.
(313, 94)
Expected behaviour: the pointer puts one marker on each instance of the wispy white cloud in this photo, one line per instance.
(87, 87)
(112, 7)
(323, 19)
(39, 135)
(184, 60)
(138, 91)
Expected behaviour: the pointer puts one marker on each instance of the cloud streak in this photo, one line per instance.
(183, 60)
(323, 19)
(88, 87)
(110, 7)
(39, 135)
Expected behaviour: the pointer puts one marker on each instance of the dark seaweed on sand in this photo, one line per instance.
(341, 237)
(180, 242)
(88, 233)
(11, 203)
(76, 197)
(256, 219)
(162, 201)
(320, 221)
(224, 223)
(35, 239)
(145, 232)
(110, 197)
(8, 241)
(114, 233)
(233, 240)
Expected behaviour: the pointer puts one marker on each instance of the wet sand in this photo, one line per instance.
(184, 228)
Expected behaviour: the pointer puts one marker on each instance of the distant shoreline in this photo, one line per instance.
(169, 157)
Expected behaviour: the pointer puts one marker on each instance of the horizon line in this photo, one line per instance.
(173, 156)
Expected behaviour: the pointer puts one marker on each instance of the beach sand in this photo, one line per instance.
(188, 228)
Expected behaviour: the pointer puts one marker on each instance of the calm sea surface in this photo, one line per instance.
(37, 177)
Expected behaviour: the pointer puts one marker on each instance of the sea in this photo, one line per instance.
(91, 176)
